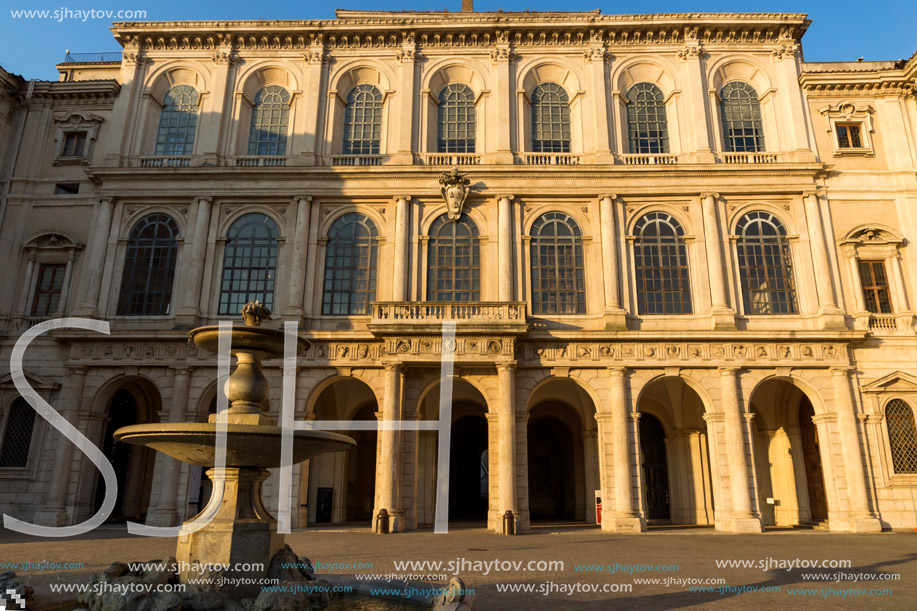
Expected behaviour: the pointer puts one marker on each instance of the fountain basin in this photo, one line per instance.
(257, 340)
(247, 445)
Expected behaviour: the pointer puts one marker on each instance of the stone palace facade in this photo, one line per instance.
(682, 277)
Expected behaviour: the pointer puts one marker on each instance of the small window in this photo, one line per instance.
(48, 289)
(67, 188)
(848, 136)
(74, 144)
(17, 435)
(875, 287)
(902, 436)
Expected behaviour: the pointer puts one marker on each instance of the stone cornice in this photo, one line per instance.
(77, 92)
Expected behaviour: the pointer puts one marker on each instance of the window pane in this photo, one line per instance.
(48, 290)
(149, 267)
(556, 251)
(453, 259)
(742, 130)
(17, 435)
(249, 263)
(550, 119)
(875, 287)
(177, 122)
(646, 120)
(350, 266)
(270, 120)
(765, 265)
(902, 436)
(456, 119)
(363, 121)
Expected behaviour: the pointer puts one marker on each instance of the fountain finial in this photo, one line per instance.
(254, 313)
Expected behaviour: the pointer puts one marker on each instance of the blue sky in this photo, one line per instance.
(841, 29)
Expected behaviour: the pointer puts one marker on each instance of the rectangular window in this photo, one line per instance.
(48, 290)
(875, 287)
(848, 136)
(67, 188)
(74, 144)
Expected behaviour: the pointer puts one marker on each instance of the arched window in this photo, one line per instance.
(149, 267)
(270, 119)
(455, 117)
(765, 265)
(742, 131)
(558, 286)
(453, 259)
(363, 121)
(661, 264)
(17, 435)
(902, 436)
(646, 122)
(350, 266)
(249, 263)
(550, 119)
(177, 122)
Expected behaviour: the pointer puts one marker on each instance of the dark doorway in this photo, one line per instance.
(811, 456)
(133, 465)
(552, 485)
(655, 468)
(324, 505)
(467, 494)
(361, 470)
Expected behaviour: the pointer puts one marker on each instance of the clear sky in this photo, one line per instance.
(841, 29)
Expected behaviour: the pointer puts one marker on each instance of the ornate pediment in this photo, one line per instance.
(898, 382)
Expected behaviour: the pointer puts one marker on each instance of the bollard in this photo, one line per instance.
(509, 523)
(382, 522)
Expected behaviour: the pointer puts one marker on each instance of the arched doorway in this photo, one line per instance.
(468, 469)
(655, 470)
(675, 469)
(133, 465)
(788, 456)
(552, 490)
(341, 486)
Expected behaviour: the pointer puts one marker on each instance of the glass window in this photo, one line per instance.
(661, 263)
(902, 436)
(177, 122)
(249, 263)
(149, 267)
(454, 266)
(456, 119)
(848, 135)
(74, 144)
(646, 122)
(270, 119)
(67, 188)
(875, 287)
(550, 119)
(556, 248)
(48, 290)
(17, 435)
(350, 266)
(765, 265)
(742, 131)
(363, 121)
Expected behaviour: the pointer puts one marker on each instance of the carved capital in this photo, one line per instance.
(693, 52)
(399, 198)
(503, 54)
(715, 196)
(203, 198)
(224, 57)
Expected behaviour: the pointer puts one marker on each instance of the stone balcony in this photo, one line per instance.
(427, 318)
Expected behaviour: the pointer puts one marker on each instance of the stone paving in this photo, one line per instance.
(693, 550)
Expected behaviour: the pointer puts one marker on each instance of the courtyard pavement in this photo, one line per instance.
(694, 551)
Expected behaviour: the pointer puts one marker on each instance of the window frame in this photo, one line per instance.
(846, 113)
(274, 253)
(161, 142)
(75, 123)
(469, 127)
(888, 437)
(376, 124)
(789, 276)
(564, 122)
(680, 241)
(4, 424)
(754, 106)
(279, 128)
(38, 291)
(122, 307)
(372, 268)
(474, 244)
(633, 120)
(581, 297)
(875, 288)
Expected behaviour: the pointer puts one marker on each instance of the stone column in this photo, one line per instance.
(400, 271)
(743, 519)
(502, 57)
(389, 466)
(615, 317)
(506, 381)
(96, 261)
(193, 268)
(315, 60)
(793, 107)
(597, 56)
(505, 239)
(626, 519)
(298, 260)
(55, 510)
(405, 103)
(605, 423)
(695, 77)
(861, 518)
(831, 315)
(723, 316)
(166, 511)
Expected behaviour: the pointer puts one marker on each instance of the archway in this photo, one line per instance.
(132, 403)
(341, 486)
(562, 449)
(675, 471)
(788, 456)
(655, 470)
(468, 469)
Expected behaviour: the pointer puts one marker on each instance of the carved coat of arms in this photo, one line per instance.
(455, 190)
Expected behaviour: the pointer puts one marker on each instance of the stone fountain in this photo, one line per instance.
(240, 530)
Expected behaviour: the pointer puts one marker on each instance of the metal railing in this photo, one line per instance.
(356, 160)
(92, 58)
(649, 159)
(550, 159)
(260, 161)
(166, 162)
(450, 159)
